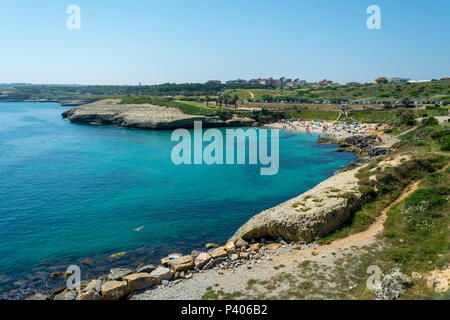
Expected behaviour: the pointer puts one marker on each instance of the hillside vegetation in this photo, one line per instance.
(438, 90)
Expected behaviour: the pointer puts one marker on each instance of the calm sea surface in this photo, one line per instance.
(70, 192)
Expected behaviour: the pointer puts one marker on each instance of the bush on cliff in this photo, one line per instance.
(445, 143)
(417, 228)
(166, 102)
(382, 191)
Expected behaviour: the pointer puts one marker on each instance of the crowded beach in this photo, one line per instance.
(329, 128)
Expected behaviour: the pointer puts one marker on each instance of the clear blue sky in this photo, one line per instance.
(156, 41)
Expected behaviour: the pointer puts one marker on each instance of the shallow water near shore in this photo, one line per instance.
(71, 192)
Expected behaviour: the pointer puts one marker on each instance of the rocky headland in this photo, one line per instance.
(146, 116)
(308, 216)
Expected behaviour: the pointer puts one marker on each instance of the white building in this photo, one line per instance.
(418, 81)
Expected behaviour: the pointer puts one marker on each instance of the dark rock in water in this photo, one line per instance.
(353, 165)
(56, 274)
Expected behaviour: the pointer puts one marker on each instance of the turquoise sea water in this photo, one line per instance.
(69, 192)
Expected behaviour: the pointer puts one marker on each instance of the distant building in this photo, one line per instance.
(398, 80)
(238, 81)
(381, 80)
(254, 81)
(266, 81)
(445, 78)
(325, 82)
(214, 81)
(353, 83)
(277, 83)
(302, 83)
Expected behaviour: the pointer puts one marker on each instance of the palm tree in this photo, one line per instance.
(207, 98)
(220, 101)
(234, 100)
(226, 99)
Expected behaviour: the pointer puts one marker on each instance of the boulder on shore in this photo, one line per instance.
(66, 295)
(147, 268)
(114, 290)
(202, 259)
(166, 261)
(37, 296)
(218, 253)
(139, 281)
(118, 273)
(89, 296)
(160, 274)
(182, 263)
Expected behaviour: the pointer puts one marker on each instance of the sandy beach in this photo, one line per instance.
(328, 128)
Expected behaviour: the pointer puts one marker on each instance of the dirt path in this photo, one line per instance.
(251, 94)
(407, 131)
(332, 271)
(373, 230)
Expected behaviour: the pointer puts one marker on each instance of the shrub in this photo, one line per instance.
(431, 121)
(445, 143)
(224, 115)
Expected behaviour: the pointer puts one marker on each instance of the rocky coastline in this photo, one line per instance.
(297, 222)
(324, 208)
(146, 116)
(62, 102)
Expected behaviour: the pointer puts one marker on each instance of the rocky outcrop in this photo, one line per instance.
(363, 145)
(145, 116)
(393, 286)
(439, 280)
(310, 215)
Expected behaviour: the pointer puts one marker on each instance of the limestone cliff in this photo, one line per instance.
(145, 116)
(312, 214)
